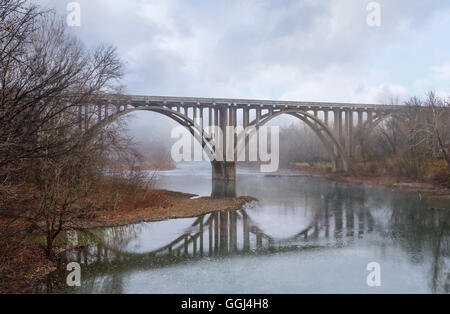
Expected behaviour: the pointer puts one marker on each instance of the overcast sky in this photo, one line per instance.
(290, 50)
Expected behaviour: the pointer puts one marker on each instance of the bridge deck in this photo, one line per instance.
(138, 101)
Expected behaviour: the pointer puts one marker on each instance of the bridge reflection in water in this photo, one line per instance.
(332, 221)
(218, 234)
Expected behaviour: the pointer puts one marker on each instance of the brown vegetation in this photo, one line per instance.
(53, 167)
(412, 144)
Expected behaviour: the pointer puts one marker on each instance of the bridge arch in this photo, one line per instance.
(334, 149)
(202, 136)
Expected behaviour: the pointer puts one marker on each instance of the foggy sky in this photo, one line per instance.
(289, 50)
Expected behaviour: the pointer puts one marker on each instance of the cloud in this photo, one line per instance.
(290, 50)
(442, 71)
(254, 48)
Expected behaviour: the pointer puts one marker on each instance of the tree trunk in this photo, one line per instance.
(49, 249)
(442, 147)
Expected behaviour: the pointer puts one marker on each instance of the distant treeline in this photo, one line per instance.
(412, 143)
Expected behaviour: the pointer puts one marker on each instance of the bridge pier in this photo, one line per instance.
(221, 188)
(223, 170)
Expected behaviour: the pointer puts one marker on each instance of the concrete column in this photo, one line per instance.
(230, 136)
(246, 117)
(258, 119)
(223, 125)
(258, 115)
(223, 170)
(341, 129)
(234, 133)
(370, 117)
(336, 127)
(347, 131)
(360, 118)
(216, 121)
(336, 123)
(221, 189)
(210, 121)
(246, 122)
(325, 115)
(350, 134)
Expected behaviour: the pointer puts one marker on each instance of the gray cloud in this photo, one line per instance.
(305, 50)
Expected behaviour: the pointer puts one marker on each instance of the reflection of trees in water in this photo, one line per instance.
(104, 245)
(332, 219)
(425, 233)
(339, 217)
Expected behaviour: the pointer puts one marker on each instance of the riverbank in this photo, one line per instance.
(29, 265)
(172, 205)
(393, 183)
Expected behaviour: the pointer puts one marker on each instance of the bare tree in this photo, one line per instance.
(438, 124)
(47, 76)
(413, 142)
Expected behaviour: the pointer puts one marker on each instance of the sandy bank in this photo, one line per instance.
(176, 205)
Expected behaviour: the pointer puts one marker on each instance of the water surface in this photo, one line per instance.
(305, 235)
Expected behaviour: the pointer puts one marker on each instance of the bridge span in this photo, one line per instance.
(337, 125)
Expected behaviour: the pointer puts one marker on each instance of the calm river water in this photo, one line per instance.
(305, 235)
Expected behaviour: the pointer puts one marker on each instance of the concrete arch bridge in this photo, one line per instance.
(335, 124)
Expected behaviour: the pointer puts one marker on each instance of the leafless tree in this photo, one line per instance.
(413, 142)
(47, 76)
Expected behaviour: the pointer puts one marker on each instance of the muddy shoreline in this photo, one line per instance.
(178, 205)
(393, 183)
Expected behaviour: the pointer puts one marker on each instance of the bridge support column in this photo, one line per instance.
(223, 170)
(370, 117)
(360, 119)
(348, 132)
(221, 189)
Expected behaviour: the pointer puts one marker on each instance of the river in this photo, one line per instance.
(305, 235)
